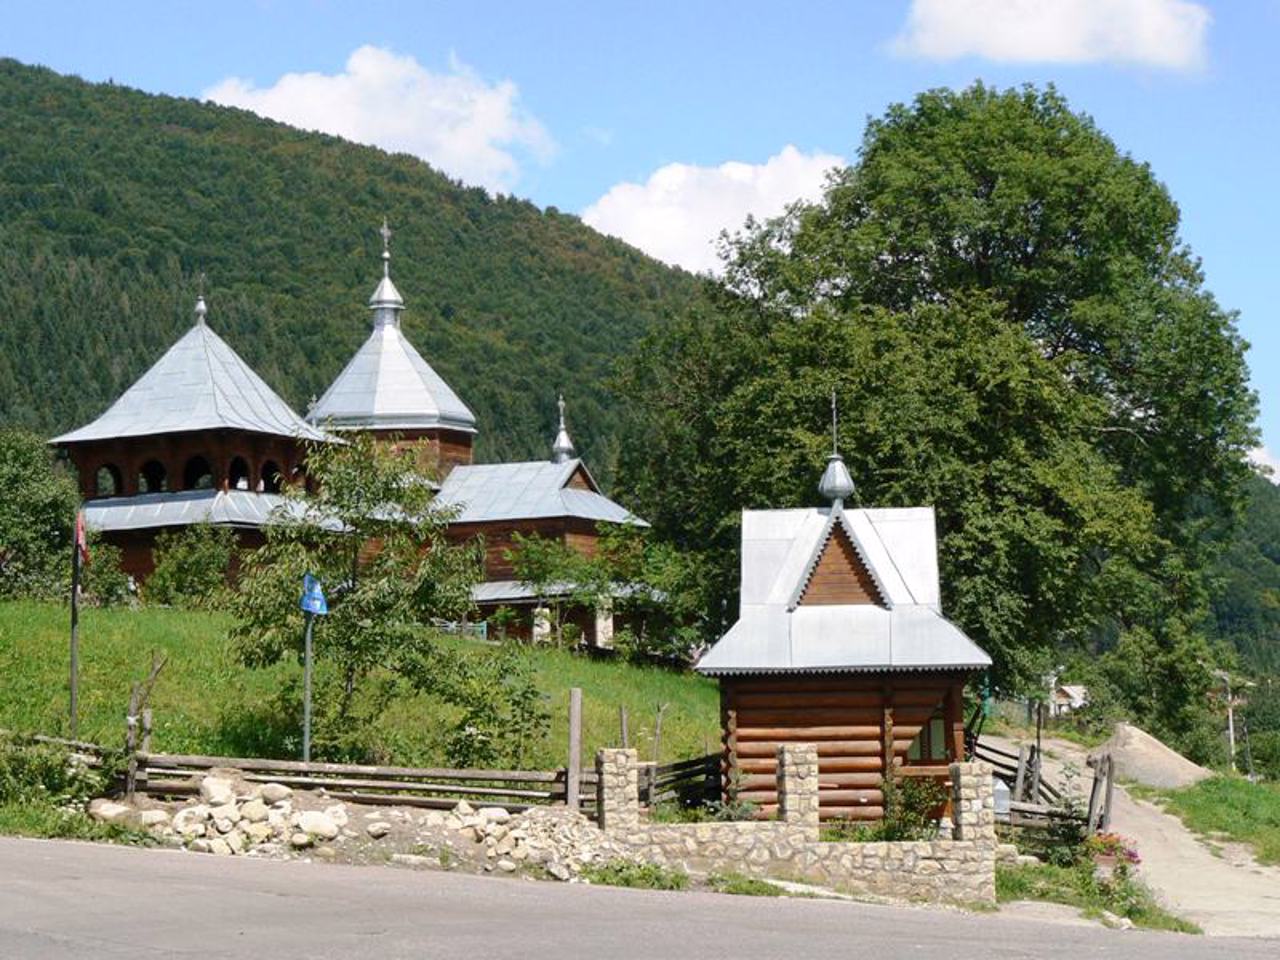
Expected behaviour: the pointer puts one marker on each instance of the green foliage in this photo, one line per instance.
(1079, 886)
(911, 809)
(44, 773)
(192, 566)
(1246, 594)
(38, 504)
(112, 200)
(714, 811)
(742, 886)
(1016, 336)
(47, 821)
(1233, 807)
(628, 873)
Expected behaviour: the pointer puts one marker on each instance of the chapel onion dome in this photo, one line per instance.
(562, 449)
(388, 385)
(836, 484)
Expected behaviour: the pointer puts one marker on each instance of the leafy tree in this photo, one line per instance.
(38, 505)
(1016, 336)
(192, 566)
(373, 537)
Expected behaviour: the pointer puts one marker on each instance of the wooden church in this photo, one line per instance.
(840, 641)
(201, 438)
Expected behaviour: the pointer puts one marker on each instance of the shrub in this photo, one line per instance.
(911, 806)
(192, 565)
(628, 873)
(31, 773)
(38, 504)
(742, 886)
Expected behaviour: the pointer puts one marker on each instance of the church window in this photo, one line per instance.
(153, 478)
(272, 477)
(197, 475)
(238, 475)
(107, 481)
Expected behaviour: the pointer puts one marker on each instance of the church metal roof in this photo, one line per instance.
(387, 385)
(199, 384)
(538, 489)
(235, 508)
(777, 634)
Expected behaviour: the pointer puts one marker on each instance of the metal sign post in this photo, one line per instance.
(313, 604)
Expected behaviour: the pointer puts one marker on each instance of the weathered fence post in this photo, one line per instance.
(1036, 760)
(622, 723)
(1020, 779)
(573, 776)
(131, 745)
(1105, 823)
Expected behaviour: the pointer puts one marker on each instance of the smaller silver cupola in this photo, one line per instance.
(562, 448)
(386, 302)
(836, 484)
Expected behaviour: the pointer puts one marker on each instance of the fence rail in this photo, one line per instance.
(686, 782)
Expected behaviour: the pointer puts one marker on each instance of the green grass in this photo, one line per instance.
(206, 702)
(626, 873)
(742, 886)
(1078, 887)
(47, 821)
(1227, 806)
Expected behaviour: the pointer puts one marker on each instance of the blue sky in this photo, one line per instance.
(663, 122)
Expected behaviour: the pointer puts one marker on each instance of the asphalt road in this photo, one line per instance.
(69, 900)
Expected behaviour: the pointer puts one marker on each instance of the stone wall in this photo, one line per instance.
(957, 870)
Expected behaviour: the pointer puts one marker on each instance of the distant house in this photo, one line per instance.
(841, 641)
(1067, 698)
(201, 438)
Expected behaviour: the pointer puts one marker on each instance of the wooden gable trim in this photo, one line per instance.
(841, 576)
(581, 480)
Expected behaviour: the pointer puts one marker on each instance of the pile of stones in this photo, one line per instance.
(232, 817)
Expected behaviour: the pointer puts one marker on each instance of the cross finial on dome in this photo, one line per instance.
(385, 233)
(836, 484)
(562, 448)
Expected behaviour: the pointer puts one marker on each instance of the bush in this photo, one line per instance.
(192, 565)
(628, 873)
(33, 773)
(742, 886)
(1080, 886)
(911, 808)
(38, 504)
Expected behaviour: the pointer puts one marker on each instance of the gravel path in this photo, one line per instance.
(1225, 896)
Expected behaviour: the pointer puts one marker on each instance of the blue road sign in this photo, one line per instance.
(313, 600)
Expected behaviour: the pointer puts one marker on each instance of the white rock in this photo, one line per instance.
(318, 824)
(153, 818)
(108, 811)
(278, 821)
(337, 813)
(235, 840)
(300, 840)
(220, 847)
(378, 829)
(506, 866)
(258, 832)
(464, 809)
(223, 825)
(199, 845)
(216, 791)
(494, 814)
(228, 811)
(255, 811)
(276, 792)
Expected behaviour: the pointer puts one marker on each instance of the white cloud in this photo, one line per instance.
(1159, 33)
(1265, 458)
(455, 120)
(679, 211)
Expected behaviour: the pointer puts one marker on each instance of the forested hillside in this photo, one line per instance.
(1246, 604)
(113, 200)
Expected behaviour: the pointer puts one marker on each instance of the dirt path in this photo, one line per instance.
(1226, 896)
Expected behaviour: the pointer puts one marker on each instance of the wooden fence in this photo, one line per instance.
(1034, 801)
(178, 775)
(688, 783)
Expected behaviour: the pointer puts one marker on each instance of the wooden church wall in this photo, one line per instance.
(856, 721)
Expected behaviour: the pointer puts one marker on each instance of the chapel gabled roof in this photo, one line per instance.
(777, 633)
(199, 384)
(538, 489)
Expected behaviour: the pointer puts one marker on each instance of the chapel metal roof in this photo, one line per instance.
(387, 385)
(776, 634)
(234, 508)
(199, 384)
(533, 490)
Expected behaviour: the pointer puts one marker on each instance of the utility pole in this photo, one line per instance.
(1225, 677)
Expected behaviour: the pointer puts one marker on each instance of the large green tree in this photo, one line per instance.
(1017, 335)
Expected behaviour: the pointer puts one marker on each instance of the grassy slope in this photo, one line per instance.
(1228, 806)
(203, 695)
